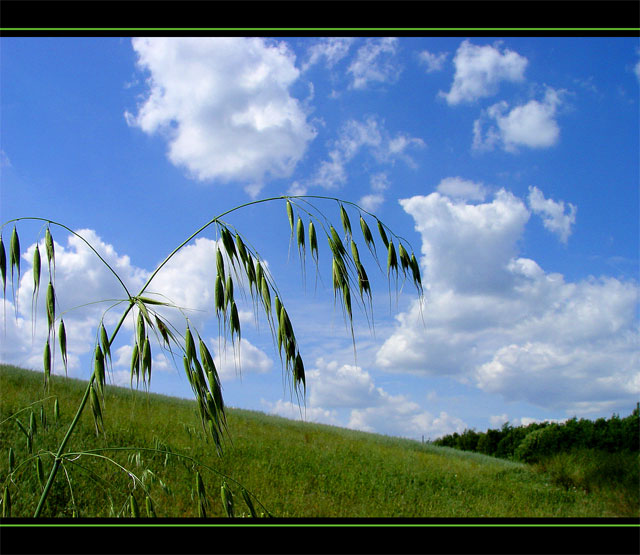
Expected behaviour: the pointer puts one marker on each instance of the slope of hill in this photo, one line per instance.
(288, 468)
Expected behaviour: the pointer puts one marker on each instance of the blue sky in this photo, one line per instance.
(509, 163)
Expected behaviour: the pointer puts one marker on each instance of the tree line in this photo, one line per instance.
(538, 440)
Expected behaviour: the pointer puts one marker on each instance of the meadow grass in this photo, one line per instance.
(295, 469)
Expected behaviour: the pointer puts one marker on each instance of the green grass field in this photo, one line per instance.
(294, 469)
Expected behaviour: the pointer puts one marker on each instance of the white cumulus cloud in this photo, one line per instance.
(223, 105)
(532, 125)
(459, 188)
(498, 321)
(335, 389)
(479, 71)
(81, 282)
(553, 214)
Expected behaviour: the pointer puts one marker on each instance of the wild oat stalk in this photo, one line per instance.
(237, 263)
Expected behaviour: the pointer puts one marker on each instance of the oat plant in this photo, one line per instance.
(239, 266)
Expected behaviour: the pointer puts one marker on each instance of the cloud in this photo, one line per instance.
(335, 388)
(379, 184)
(434, 62)
(375, 63)
(4, 160)
(232, 361)
(552, 213)
(81, 280)
(294, 411)
(532, 125)
(461, 189)
(479, 71)
(498, 321)
(329, 49)
(223, 105)
(187, 281)
(355, 136)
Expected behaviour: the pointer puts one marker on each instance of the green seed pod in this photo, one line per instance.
(14, 253)
(383, 235)
(133, 505)
(40, 471)
(104, 341)
(146, 359)
(220, 264)
(249, 503)
(313, 241)
(48, 241)
(12, 460)
(47, 363)
(190, 346)
(227, 499)
(36, 271)
(33, 427)
(51, 305)
(300, 234)
(135, 362)
(149, 505)
(6, 503)
(290, 215)
(62, 339)
(99, 370)
(140, 331)
(346, 224)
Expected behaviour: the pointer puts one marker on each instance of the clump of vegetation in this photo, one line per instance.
(592, 456)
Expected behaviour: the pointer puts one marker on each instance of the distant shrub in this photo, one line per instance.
(538, 444)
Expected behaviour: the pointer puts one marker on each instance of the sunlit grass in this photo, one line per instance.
(295, 469)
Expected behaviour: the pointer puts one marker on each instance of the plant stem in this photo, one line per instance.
(210, 222)
(82, 238)
(72, 426)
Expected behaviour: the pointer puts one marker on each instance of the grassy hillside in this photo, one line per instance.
(295, 469)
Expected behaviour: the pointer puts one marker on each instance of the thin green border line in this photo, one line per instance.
(327, 525)
(319, 28)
